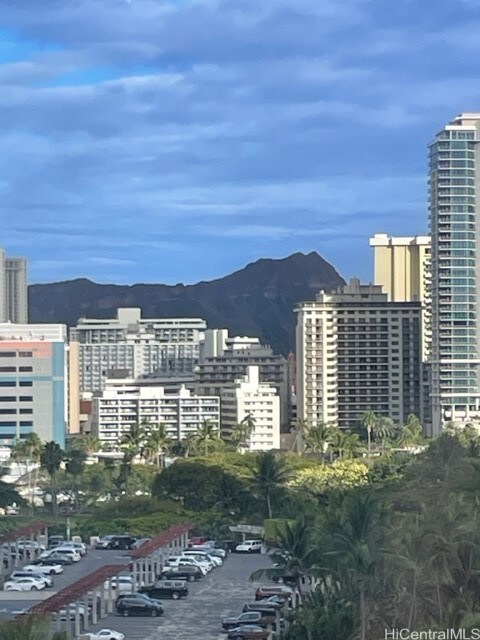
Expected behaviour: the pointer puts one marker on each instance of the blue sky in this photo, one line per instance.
(176, 141)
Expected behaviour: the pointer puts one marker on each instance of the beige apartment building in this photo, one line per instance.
(356, 351)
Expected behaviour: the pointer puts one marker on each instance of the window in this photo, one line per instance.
(8, 398)
(8, 369)
(26, 423)
(25, 398)
(25, 369)
(26, 383)
(22, 411)
(7, 383)
(25, 354)
(7, 354)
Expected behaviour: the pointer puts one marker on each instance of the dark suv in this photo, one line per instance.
(116, 542)
(138, 604)
(174, 589)
(181, 573)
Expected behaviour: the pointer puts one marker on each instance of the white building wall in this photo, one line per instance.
(121, 405)
(248, 396)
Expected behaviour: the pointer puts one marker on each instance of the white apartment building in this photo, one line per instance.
(33, 387)
(454, 226)
(125, 402)
(356, 352)
(248, 396)
(13, 289)
(132, 346)
(224, 359)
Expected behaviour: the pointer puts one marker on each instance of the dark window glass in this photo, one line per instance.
(8, 398)
(7, 383)
(25, 398)
(7, 354)
(25, 369)
(26, 383)
(8, 369)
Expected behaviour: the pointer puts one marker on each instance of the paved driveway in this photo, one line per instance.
(221, 593)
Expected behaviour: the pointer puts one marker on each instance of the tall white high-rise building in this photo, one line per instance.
(454, 184)
(13, 289)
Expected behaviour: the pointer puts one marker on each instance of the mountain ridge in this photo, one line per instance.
(257, 300)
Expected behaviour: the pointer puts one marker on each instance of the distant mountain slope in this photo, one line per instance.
(256, 301)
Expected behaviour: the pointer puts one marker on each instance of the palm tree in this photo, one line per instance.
(206, 438)
(243, 431)
(157, 444)
(88, 443)
(294, 556)
(268, 475)
(134, 439)
(28, 451)
(51, 459)
(384, 429)
(368, 420)
(357, 548)
(411, 433)
(319, 438)
(75, 466)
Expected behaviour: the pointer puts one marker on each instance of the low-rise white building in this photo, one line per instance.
(248, 396)
(122, 404)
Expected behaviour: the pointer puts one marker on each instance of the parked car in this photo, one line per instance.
(122, 584)
(262, 605)
(55, 558)
(49, 570)
(197, 540)
(188, 573)
(282, 591)
(211, 550)
(104, 634)
(65, 551)
(80, 547)
(21, 573)
(138, 543)
(116, 542)
(174, 589)
(248, 632)
(183, 561)
(203, 556)
(249, 546)
(55, 541)
(23, 584)
(69, 613)
(138, 604)
(250, 617)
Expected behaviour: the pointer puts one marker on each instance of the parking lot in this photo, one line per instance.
(221, 593)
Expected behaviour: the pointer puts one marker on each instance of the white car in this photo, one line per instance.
(76, 557)
(122, 584)
(202, 555)
(249, 546)
(23, 584)
(105, 634)
(47, 569)
(183, 561)
(69, 613)
(79, 547)
(39, 577)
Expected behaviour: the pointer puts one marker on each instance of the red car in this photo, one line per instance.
(280, 590)
(197, 540)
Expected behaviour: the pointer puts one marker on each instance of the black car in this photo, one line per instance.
(138, 604)
(262, 605)
(250, 617)
(119, 542)
(190, 574)
(174, 589)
